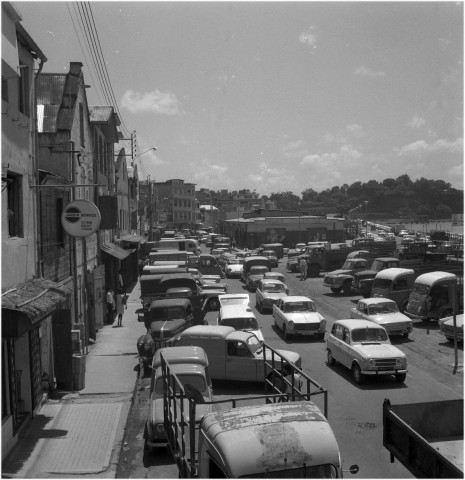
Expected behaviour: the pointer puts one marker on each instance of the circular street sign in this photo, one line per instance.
(80, 218)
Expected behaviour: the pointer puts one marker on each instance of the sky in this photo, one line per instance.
(274, 96)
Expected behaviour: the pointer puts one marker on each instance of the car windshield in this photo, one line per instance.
(314, 471)
(269, 253)
(168, 313)
(258, 270)
(275, 276)
(380, 308)
(382, 283)
(254, 343)
(420, 288)
(369, 335)
(195, 381)
(348, 265)
(241, 323)
(273, 287)
(299, 307)
(233, 301)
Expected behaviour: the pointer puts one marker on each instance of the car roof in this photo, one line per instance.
(433, 277)
(272, 281)
(236, 311)
(352, 324)
(181, 354)
(390, 273)
(376, 300)
(296, 298)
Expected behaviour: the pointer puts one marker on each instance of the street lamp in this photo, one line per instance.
(366, 217)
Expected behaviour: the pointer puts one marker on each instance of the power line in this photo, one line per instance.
(93, 44)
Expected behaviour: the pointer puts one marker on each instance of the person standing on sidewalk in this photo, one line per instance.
(303, 268)
(110, 306)
(120, 306)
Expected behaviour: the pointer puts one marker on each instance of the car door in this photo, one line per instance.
(240, 362)
(344, 348)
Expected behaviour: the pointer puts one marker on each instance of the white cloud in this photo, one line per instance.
(156, 102)
(294, 149)
(309, 38)
(355, 130)
(441, 145)
(416, 121)
(368, 72)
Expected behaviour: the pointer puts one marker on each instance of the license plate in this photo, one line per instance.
(384, 369)
(307, 332)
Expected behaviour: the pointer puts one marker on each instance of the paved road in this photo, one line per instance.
(355, 412)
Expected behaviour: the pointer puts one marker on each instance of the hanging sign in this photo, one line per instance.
(80, 218)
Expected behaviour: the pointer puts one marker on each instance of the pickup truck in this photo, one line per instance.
(427, 438)
(287, 437)
(341, 280)
(233, 354)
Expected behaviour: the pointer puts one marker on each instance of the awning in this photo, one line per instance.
(115, 251)
(33, 300)
(133, 239)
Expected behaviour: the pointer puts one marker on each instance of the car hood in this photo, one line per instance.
(378, 350)
(167, 327)
(304, 317)
(390, 318)
(213, 286)
(336, 273)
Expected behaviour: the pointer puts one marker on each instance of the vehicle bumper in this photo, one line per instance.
(383, 372)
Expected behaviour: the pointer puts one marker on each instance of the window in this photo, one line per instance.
(14, 205)
(23, 92)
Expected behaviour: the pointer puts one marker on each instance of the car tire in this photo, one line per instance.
(331, 359)
(347, 287)
(285, 334)
(214, 304)
(336, 290)
(400, 377)
(357, 374)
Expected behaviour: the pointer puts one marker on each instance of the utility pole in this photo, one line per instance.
(149, 186)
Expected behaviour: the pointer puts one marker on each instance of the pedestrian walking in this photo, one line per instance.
(303, 268)
(110, 306)
(120, 306)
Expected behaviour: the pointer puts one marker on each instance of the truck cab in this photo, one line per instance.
(280, 441)
(341, 280)
(363, 281)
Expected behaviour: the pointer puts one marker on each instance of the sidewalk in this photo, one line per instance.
(82, 432)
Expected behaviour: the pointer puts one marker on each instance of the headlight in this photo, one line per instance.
(371, 362)
(291, 324)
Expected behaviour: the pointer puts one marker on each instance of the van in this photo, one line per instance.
(252, 261)
(183, 244)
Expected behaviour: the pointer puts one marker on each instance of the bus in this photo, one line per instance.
(182, 244)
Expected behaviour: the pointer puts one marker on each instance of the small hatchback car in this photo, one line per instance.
(364, 347)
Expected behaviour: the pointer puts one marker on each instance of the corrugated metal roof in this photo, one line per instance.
(50, 88)
(100, 113)
(36, 298)
(115, 251)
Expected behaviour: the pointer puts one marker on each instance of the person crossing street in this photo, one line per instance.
(303, 269)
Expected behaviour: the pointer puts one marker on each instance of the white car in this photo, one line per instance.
(446, 326)
(297, 315)
(365, 349)
(268, 292)
(277, 276)
(233, 267)
(240, 317)
(384, 312)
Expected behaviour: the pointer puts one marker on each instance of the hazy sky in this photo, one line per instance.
(275, 96)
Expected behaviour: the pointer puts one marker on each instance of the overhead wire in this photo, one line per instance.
(89, 31)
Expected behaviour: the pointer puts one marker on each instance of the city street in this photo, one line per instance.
(354, 411)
